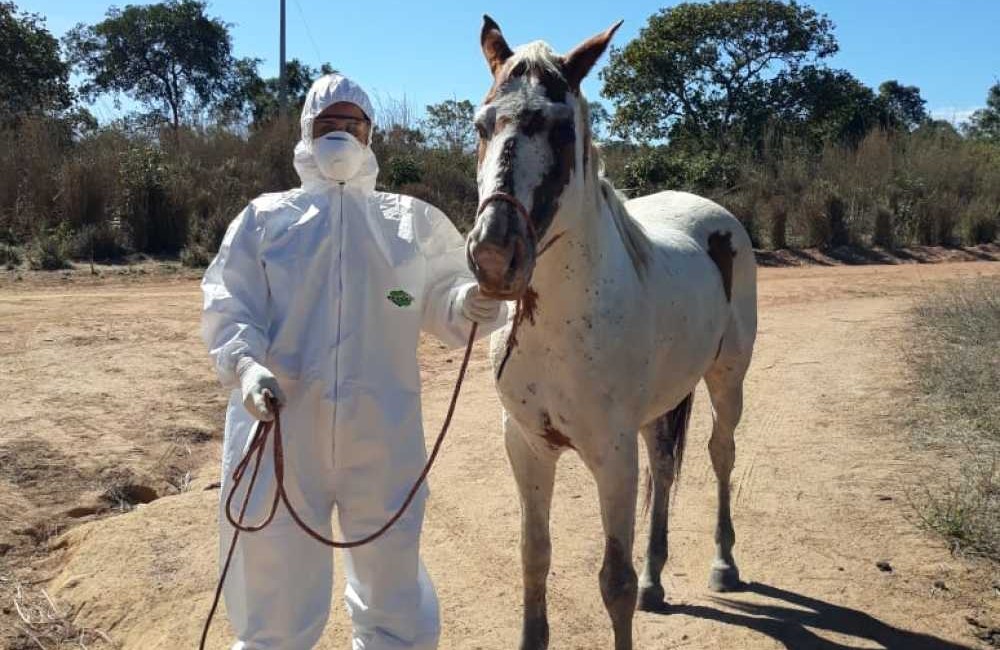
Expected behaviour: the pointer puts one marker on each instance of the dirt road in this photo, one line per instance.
(110, 393)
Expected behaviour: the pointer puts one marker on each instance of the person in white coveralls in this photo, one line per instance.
(316, 299)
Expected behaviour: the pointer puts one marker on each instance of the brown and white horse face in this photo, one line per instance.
(532, 135)
(527, 148)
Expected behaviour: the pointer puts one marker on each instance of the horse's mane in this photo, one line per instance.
(538, 57)
(633, 237)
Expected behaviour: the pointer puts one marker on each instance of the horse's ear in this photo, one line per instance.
(495, 48)
(583, 57)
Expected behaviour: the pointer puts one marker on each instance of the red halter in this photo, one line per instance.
(521, 210)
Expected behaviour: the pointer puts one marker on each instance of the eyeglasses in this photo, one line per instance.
(355, 126)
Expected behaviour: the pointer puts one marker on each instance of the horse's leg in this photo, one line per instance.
(535, 475)
(617, 473)
(665, 445)
(726, 390)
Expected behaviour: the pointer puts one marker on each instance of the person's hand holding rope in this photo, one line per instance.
(259, 388)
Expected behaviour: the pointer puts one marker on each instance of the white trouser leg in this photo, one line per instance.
(389, 595)
(278, 589)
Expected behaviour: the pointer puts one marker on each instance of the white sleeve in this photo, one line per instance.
(448, 279)
(234, 315)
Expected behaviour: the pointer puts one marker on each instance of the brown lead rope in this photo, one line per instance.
(256, 453)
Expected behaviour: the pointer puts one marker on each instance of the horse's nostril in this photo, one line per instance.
(471, 260)
(492, 262)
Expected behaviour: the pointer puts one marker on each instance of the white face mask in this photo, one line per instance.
(338, 155)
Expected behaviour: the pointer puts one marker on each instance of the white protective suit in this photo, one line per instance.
(328, 286)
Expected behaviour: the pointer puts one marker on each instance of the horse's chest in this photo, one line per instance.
(551, 385)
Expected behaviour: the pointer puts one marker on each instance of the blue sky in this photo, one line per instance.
(426, 52)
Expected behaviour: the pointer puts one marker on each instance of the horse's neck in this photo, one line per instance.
(571, 271)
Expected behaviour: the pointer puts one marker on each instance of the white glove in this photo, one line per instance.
(479, 308)
(257, 384)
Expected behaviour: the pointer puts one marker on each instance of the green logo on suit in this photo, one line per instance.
(400, 298)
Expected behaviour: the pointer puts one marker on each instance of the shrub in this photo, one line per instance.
(98, 242)
(652, 169)
(403, 170)
(980, 222)
(778, 224)
(195, 257)
(150, 214)
(130, 188)
(742, 205)
(956, 334)
(448, 181)
(813, 214)
(11, 257)
(49, 251)
(883, 228)
(836, 215)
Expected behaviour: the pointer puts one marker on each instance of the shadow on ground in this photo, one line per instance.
(788, 622)
(859, 256)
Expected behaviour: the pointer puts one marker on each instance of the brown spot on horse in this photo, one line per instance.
(529, 305)
(720, 249)
(545, 200)
(557, 439)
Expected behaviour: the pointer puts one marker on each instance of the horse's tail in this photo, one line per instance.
(670, 435)
(677, 423)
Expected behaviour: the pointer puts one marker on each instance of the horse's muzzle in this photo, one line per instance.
(498, 269)
(500, 248)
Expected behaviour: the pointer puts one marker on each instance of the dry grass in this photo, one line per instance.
(117, 191)
(956, 356)
(960, 361)
(41, 624)
(891, 190)
(120, 190)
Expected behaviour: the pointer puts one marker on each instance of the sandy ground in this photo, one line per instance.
(109, 392)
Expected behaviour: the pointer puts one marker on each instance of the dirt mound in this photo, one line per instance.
(142, 577)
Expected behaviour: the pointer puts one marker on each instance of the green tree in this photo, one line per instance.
(255, 99)
(449, 125)
(32, 76)
(396, 138)
(903, 105)
(821, 105)
(704, 72)
(985, 123)
(169, 56)
(599, 119)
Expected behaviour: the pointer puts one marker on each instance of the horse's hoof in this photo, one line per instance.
(725, 579)
(651, 599)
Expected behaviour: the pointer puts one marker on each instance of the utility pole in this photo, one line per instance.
(282, 77)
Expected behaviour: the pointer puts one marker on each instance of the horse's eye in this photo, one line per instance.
(533, 123)
(563, 132)
(481, 130)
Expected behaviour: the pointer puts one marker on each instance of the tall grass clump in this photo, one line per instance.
(955, 354)
(891, 190)
(130, 187)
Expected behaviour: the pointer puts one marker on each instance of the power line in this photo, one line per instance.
(305, 23)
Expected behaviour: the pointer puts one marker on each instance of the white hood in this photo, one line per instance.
(326, 91)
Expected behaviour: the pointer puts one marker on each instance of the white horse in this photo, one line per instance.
(629, 307)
